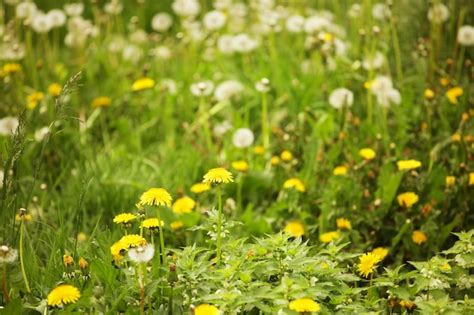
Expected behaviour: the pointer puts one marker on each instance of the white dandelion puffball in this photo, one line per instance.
(381, 11)
(466, 35)
(40, 134)
(141, 254)
(385, 93)
(295, 23)
(203, 88)
(341, 97)
(354, 11)
(8, 255)
(243, 138)
(114, 7)
(373, 62)
(41, 23)
(161, 22)
(186, 7)
(8, 126)
(438, 13)
(228, 90)
(220, 129)
(316, 23)
(225, 44)
(25, 10)
(243, 43)
(56, 17)
(214, 20)
(74, 9)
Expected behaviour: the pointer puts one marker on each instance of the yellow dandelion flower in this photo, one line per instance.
(381, 252)
(117, 250)
(10, 68)
(275, 160)
(176, 225)
(199, 188)
(453, 93)
(471, 179)
(407, 199)
(340, 171)
(155, 197)
(217, 176)
(25, 217)
(68, 260)
(54, 89)
(343, 224)
(101, 101)
(241, 166)
(83, 264)
(445, 267)
(259, 150)
(62, 295)
(206, 309)
(450, 181)
(367, 264)
(143, 84)
(456, 137)
(444, 81)
(124, 218)
(406, 165)
(418, 237)
(429, 94)
(304, 305)
(367, 153)
(81, 237)
(152, 223)
(329, 236)
(132, 240)
(294, 228)
(183, 205)
(33, 99)
(286, 156)
(294, 183)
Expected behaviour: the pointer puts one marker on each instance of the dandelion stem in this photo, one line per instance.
(162, 240)
(219, 223)
(4, 284)
(265, 131)
(22, 264)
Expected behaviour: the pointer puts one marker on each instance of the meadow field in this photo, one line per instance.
(209, 157)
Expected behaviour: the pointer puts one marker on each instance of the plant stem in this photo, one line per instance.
(219, 224)
(22, 264)
(265, 131)
(4, 284)
(162, 240)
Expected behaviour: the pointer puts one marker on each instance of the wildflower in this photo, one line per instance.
(186, 8)
(117, 249)
(183, 205)
(438, 13)
(407, 199)
(367, 264)
(259, 150)
(304, 305)
(453, 93)
(68, 260)
(286, 156)
(228, 90)
(83, 264)
(341, 97)
(418, 237)
(25, 217)
(218, 175)
(124, 218)
(33, 99)
(471, 179)
(340, 171)
(444, 81)
(155, 197)
(385, 93)
(101, 101)
(142, 253)
(81, 237)
(367, 153)
(263, 86)
(408, 305)
(241, 166)
(294, 183)
(161, 22)
(203, 88)
(294, 228)
(40, 134)
(329, 236)
(63, 294)
(10, 68)
(429, 94)
(214, 20)
(54, 89)
(243, 138)
(152, 223)
(343, 224)
(466, 35)
(199, 188)
(8, 255)
(381, 11)
(456, 137)
(206, 309)
(275, 160)
(132, 240)
(8, 126)
(450, 181)
(373, 62)
(176, 225)
(380, 252)
(404, 165)
(143, 84)
(295, 23)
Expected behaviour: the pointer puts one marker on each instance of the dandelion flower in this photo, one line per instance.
(142, 253)
(54, 89)
(429, 94)
(155, 197)
(8, 255)
(143, 84)
(243, 138)
(8, 126)
(199, 188)
(10, 68)
(381, 252)
(406, 165)
(367, 153)
(176, 225)
(341, 97)
(286, 156)
(329, 236)
(81, 237)
(241, 166)
(33, 99)
(259, 150)
(124, 218)
(466, 35)
(183, 205)
(152, 223)
(343, 224)
(453, 93)
(206, 309)
(418, 237)
(294, 228)
(117, 249)
(456, 137)
(471, 179)
(275, 160)
(407, 199)
(83, 264)
(294, 183)
(340, 171)
(132, 240)
(101, 101)
(367, 264)
(438, 13)
(450, 181)
(304, 305)
(63, 294)
(68, 260)
(218, 175)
